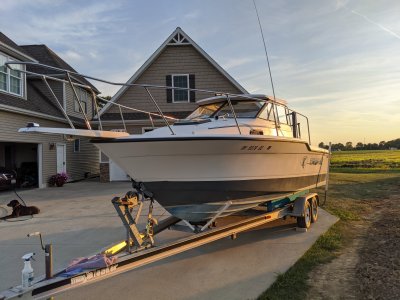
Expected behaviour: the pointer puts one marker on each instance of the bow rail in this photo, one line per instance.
(75, 75)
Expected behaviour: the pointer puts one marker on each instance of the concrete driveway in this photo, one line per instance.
(79, 220)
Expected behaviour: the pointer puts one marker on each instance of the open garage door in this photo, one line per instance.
(23, 159)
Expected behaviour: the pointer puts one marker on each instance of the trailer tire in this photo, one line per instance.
(305, 220)
(314, 210)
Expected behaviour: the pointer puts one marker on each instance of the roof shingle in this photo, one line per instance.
(46, 56)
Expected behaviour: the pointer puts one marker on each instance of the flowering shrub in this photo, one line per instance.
(59, 179)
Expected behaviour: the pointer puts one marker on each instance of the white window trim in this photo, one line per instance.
(79, 146)
(40, 166)
(8, 74)
(173, 91)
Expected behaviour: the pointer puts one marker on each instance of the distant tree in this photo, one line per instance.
(321, 145)
(339, 146)
(393, 144)
(349, 146)
(359, 146)
(101, 103)
(372, 146)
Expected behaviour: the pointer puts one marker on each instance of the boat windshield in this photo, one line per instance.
(204, 111)
(243, 109)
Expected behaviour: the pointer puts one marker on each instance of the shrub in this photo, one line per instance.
(59, 179)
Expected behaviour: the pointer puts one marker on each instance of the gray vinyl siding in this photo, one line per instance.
(70, 99)
(175, 60)
(86, 161)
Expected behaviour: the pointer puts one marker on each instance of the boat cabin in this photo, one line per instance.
(252, 114)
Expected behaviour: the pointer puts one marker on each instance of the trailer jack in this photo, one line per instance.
(125, 207)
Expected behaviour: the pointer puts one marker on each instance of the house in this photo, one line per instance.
(178, 62)
(27, 98)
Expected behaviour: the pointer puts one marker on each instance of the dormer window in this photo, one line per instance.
(84, 97)
(11, 81)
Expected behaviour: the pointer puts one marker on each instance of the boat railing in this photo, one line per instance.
(72, 75)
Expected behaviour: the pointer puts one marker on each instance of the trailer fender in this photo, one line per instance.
(299, 203)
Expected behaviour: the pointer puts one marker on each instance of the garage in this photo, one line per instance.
(23, 158)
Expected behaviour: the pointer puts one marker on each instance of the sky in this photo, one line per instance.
(336, 61)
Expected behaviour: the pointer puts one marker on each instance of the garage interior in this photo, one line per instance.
(22, 158)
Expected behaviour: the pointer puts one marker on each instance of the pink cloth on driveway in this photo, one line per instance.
(92, 262)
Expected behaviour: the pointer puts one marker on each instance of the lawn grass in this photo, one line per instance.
(351, 197)
(365, 160)
(291, 285)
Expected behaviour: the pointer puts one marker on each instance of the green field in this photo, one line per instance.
(365, 160)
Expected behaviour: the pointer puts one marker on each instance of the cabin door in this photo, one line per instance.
(61, 158)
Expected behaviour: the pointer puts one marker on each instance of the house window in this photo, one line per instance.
(11, 81)
(77, 145)
(182, 81)
(84, 97)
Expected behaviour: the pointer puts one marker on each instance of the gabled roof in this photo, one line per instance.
(178, 37)
(46, 56)
(13, 48)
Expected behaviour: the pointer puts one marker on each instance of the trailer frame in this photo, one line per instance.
(44, 288)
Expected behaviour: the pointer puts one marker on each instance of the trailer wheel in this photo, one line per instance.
(305, 221)
(314, 210)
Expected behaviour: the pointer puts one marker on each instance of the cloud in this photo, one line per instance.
(237, 62)
(9, 5)
(384, 28)
(191, 15)
(328, 58)
(70, 55)
(341, 3)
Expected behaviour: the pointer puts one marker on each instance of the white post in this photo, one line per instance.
(40, 166)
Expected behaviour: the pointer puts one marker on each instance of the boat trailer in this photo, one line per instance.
(140, 249)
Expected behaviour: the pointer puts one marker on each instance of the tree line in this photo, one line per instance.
(382, 145)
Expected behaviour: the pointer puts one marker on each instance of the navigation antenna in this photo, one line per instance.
(265, 48)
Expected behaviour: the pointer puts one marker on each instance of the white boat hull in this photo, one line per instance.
(183, 172)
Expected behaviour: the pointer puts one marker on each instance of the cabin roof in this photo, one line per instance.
(244, 97)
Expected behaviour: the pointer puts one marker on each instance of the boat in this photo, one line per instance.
(244, 150)
(232, 153)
